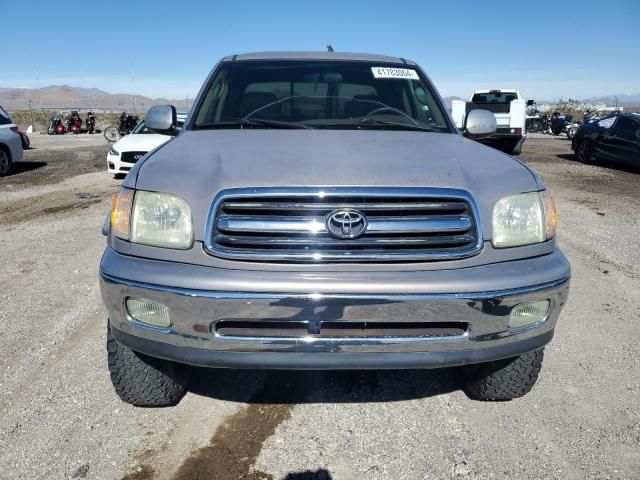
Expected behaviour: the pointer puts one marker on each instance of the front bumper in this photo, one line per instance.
(195, 312)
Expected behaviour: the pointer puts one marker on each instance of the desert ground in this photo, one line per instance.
(61, 419)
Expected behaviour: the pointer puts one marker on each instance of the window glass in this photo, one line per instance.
(606, 122)
(5, 119)
(627, 125)
(319, 94)
(494, 97)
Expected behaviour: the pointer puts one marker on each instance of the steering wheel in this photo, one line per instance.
(386, 108)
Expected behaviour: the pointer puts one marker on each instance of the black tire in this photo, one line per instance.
(5, 161)
(584, 151)
(144, 381)
(504, 379)
(26, 142)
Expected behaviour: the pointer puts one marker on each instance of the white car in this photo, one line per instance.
(129, 149)
(10, 143)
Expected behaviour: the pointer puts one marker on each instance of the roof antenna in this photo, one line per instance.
(329, 48)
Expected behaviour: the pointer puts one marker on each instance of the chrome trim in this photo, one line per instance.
(189, 292)
(328, 192)
(318, 224)
(195, 311)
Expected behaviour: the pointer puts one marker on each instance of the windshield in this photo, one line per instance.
(319, 94)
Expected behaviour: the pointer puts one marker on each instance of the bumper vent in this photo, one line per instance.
(305, 225)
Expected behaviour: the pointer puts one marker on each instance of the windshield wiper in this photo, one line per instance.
(369, 121)
(271, 123)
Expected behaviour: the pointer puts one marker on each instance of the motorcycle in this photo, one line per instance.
(559, 123)
(74, 122)
(127, 124)
(91, 122)
(56, 126)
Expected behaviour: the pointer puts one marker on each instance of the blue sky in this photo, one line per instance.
(166, 48)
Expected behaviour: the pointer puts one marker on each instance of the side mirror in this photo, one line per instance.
(162, 119)
(480, 124)
(530, 103)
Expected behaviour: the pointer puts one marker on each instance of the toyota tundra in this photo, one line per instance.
(322, 211)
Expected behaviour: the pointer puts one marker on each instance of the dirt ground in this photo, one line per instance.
(61, 419)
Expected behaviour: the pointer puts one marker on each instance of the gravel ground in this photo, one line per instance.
(61, 419)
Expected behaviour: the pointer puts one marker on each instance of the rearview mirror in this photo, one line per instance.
(162, 119)
(479, 124)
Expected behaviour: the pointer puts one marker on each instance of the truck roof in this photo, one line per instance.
(317, 56)
(509, 90)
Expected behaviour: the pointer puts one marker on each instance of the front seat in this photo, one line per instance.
(252, 101)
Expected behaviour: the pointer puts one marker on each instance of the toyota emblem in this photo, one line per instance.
(346, 223)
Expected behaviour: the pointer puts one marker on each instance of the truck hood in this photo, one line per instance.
(196, 165)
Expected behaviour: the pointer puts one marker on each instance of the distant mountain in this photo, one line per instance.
(65, 97)
(623, 99)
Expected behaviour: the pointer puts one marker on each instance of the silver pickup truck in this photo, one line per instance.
(322, 211)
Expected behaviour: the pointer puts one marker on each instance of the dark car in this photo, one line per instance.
(615, 138)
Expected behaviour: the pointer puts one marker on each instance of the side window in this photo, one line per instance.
(606, 122)
(627, 125)
(214, 98)
(4, 117)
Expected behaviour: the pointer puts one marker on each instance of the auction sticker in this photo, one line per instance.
(386, 72)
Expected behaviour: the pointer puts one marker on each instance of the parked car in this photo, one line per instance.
(129, 149)
(615, 138)
(10, 143)
(510, 110)
(322, 211)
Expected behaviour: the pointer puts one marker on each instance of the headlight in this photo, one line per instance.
(113, 151)
(161, 220)
(524, 219)
(149, 218)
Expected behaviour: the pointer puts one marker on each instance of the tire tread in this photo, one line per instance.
(505, 379)
(141, 380)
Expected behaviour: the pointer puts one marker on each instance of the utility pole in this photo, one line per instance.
(30, 112)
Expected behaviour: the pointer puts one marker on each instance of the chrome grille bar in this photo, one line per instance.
(317, 224)
(290, 224)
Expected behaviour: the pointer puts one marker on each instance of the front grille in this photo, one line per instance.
(333, 329)
(132, 157)
(402, 224)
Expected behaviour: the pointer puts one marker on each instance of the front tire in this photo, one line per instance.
(112, 134)
(584, 152)
(141, 380)
(5, 162)
(504, 379)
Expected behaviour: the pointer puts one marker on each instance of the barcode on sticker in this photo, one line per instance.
(386, 72)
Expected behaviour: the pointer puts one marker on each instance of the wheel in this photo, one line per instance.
(26, 142)
(584, 151)
(5, 162)
(144, 381)
(112, 134)
(504, 379)
(556, 130)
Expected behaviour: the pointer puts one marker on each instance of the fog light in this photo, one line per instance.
(148, 312)
(528, 313)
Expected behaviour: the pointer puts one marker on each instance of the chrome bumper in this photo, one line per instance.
(192, 337)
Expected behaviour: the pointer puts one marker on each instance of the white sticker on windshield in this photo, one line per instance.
(386, 72)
